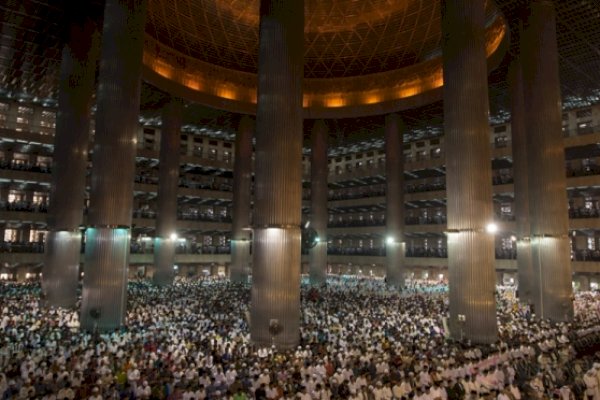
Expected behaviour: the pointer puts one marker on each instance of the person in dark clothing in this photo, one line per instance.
(261, 392)
(455, 390)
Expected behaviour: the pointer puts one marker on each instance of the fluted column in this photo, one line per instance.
(584, 282)
(394, 199)
(104, 297)
(551, 290)
(275, 308)
(242, 198)
(165, 240)
(318, 202)
(67, 192)
(468, 172)
(521, 177)
(499, 278)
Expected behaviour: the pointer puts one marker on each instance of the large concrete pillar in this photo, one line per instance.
(552, 290)
(318, 202)
(275, 308)
(499, 278)
(76, 86)
(104, 296)
(165, 240)
(521, 177)
(584, 282)
(25, 233)
(468, 172)
(394, 212)
(242, 199)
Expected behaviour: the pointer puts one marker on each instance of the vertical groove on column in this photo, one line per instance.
(111, 194)
(278, 183)
(105, 291)
(552, 289)
(552, 300)
(468, 172)
(67, 192)
(584, 283)
(61, 268)
(242, 198)
(113, 169)
(520, 173)
(394, 211)
(278, 295)
(318, 202)
(278, 176)
(164, 259)
(168, 183)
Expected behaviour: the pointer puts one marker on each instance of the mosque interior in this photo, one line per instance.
(249, 114)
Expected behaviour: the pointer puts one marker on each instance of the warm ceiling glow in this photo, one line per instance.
(336, 101)
(193, 84)
(372, 99)
(227, 93)
(318, 93)
(163, 69)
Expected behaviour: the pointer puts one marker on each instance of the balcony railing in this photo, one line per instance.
(23, 206)
(588, 130)
(151, 214)
(19, 166)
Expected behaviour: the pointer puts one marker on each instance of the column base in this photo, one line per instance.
(584, 283)
(524, 271)
(60, 277)
(318, 264)
(275, 306)
(20, 274)
(394, 259)
(164, 260)
(240, 261)
(104, 296)
(499, 278)
(471, 273)
(552, 281)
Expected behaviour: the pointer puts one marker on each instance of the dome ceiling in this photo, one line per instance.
(343, 38)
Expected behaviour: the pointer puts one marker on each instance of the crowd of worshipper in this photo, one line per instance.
(358, 340)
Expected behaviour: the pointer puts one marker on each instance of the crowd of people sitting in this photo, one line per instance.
(23, 206)
(377, 221)
(187, 181)
(21, 247)
(419, 251)
(183, 247)
(19, 165)
(352, 192)
(425, 187)
(410, 187)
(583, 171)
(186, 216)
(358, 340)
(502, 179)
(425, 220)
(437, 252)
(584, 212)
(586, 255)
(356, 251)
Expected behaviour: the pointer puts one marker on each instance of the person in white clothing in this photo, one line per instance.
(95, 394)
(591, 384)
